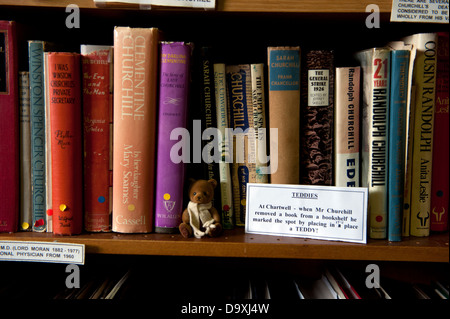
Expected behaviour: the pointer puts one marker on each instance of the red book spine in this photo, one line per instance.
(97, 111)
(66, 146)
(440, 181)
(9, 128)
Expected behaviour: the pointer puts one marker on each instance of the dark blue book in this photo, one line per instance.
(397, 138)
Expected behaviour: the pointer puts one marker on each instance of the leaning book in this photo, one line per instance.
(375, 64)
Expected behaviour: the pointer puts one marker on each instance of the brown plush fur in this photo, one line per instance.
(201, 192)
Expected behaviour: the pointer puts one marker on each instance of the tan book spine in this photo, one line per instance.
(135, 90)
(284, 114)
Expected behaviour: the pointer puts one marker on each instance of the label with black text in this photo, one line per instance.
(64, 253)
(429, 11)
(318, 212)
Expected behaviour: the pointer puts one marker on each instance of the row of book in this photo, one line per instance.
(109, 127)
(134, 282)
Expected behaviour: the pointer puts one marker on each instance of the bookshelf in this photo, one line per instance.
(291, 15)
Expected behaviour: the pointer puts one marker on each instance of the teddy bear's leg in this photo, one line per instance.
(213, 232)
(185, 230)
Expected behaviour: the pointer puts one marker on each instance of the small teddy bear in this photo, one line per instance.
(200, 218)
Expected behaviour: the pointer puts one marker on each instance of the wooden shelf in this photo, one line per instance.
(307, 6)
(236, 243)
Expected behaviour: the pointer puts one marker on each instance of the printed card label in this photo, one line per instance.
(63, 253)
(204, 4)
(317, 212)
(428, 11)
(318, 87)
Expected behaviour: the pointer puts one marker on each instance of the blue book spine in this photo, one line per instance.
(37, 107)
(397, 129)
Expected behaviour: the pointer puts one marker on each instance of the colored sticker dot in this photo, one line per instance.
(243, 202)
(131, 207)
(226, 208)
(25, 225)
(49, 212)
(166, 196)
(62, 207)
(379, 218)
(101, 199)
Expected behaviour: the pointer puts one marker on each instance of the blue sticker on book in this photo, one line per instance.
(284, 70)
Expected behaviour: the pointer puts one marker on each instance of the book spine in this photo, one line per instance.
(346, 127)
(259, 121)
(135, 91)
(374, 160)
(37, 110)
(25, 152)
(425, 82)
(226, 211)
(209, 117)
(66, 147)
(440, 185)
(173, 109)
(397, 141)
(240, 108)
(284, 114)
(9, 128)
(97, 119)
(48, 150)
(316, 120)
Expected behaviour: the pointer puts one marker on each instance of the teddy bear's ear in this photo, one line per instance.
(213, 182)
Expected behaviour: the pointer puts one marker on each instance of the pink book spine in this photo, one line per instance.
(9, 128)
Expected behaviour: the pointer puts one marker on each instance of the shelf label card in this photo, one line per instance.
(63, 253)
(317, 212)
(428, 11)
(201, 4)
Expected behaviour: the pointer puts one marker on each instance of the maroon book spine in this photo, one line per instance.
(316, 119)
(9, 128)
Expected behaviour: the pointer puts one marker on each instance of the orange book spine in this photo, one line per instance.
(66, 146)
(97, 118)
(135, 97)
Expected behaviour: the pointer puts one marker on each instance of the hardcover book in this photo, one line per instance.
(66, 142)
(316, 119)
(440, 184)
(48, 150)
(284, 114)
(346, 127)
(397, 141)
(135, 98)
(409, 137)
(424, 79)
(9, 128)
(97, 64)
(25, 152)
(226, 197)
(209, 117)
(174, 81)
(240, 111)
(375, 64)
(259, 121)
(38, 124)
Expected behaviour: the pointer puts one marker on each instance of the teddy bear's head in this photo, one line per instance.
(202, 191)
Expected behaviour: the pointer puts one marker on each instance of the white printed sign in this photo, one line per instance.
(204, 4)
(429, 11)
(64, 253)
(318, 212)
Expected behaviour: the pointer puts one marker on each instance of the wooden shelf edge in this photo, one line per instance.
(292, 6)
(237, 244)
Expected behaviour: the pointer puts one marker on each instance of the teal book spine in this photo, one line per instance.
(397, 136)
(37, 120)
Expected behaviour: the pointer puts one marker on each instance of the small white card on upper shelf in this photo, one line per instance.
(202, 4)
(317, 212)
(428, 11)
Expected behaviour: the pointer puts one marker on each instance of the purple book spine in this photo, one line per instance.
(173, 104)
